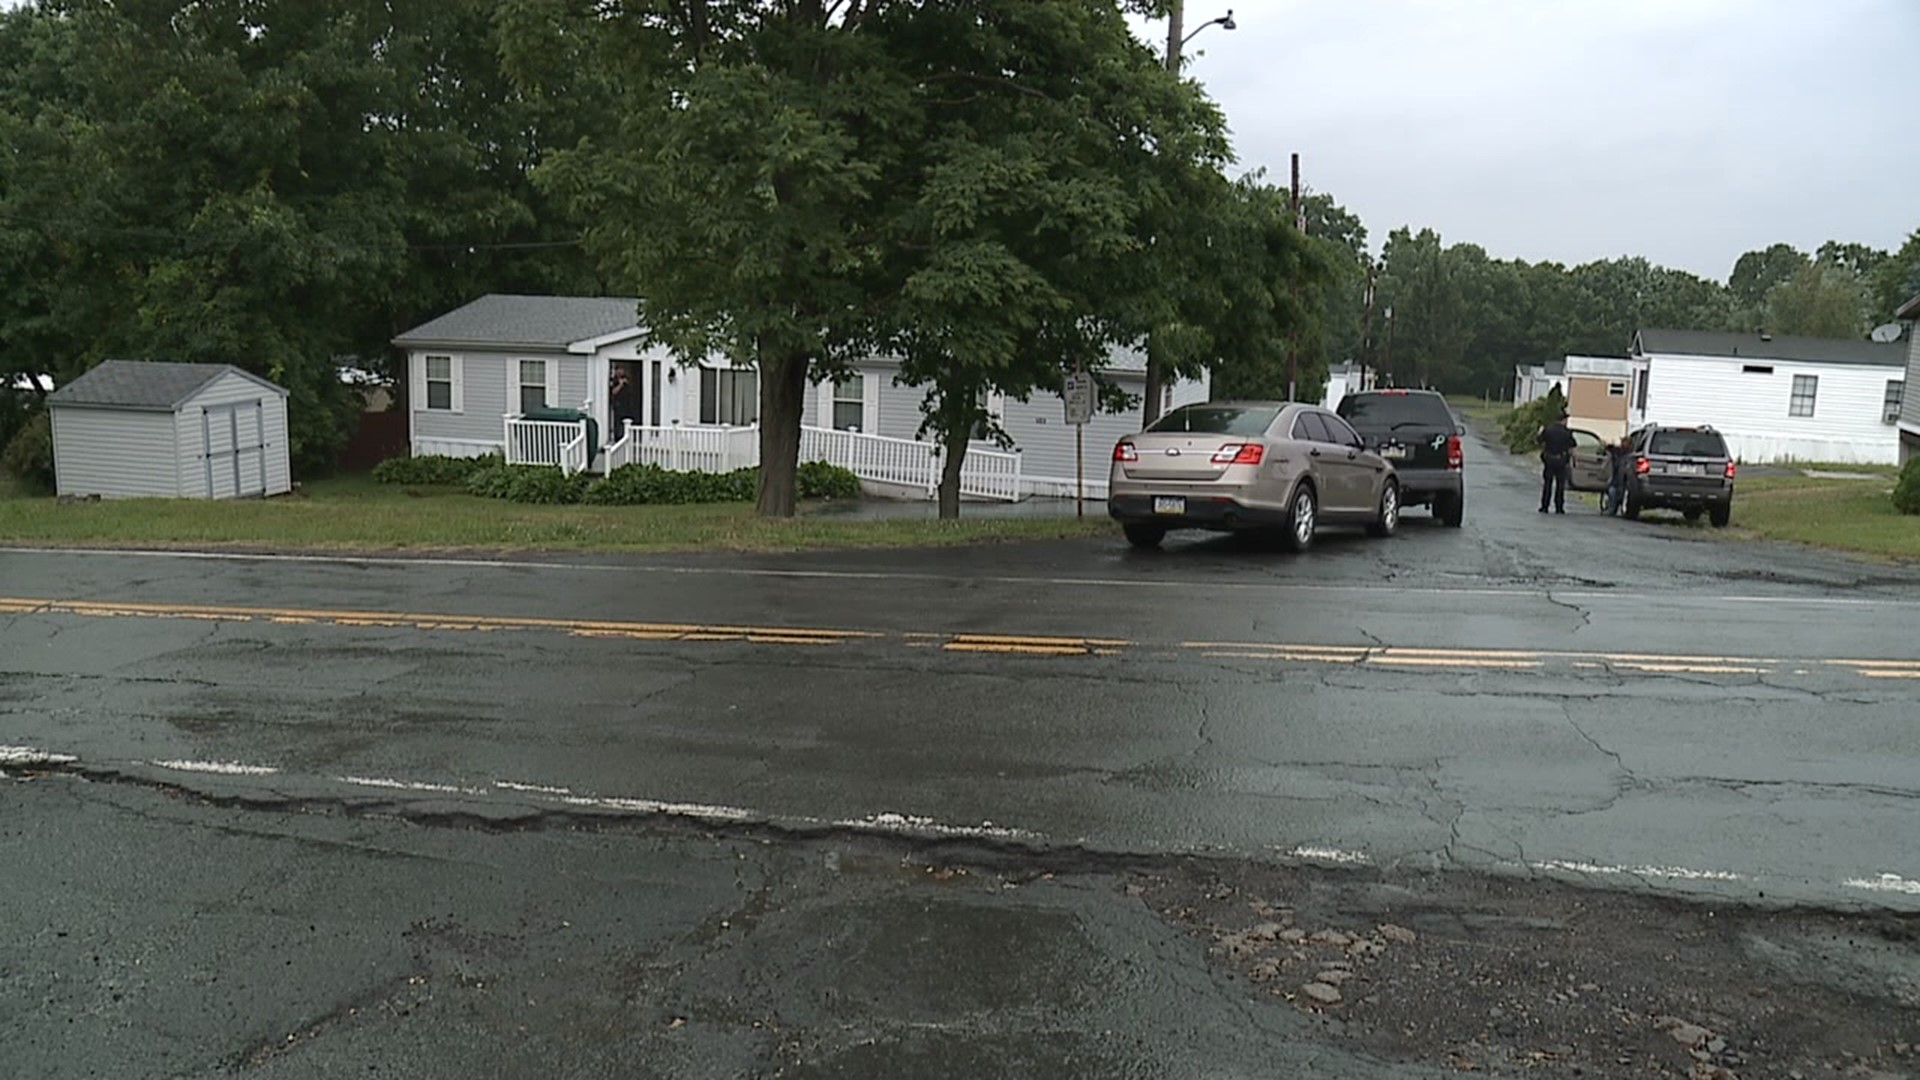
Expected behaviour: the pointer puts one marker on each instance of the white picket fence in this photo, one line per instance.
(547, 442)
(879, 459)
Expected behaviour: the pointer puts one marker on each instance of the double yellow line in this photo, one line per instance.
(1037, 645)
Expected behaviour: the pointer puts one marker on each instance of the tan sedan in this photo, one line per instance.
(1265, 465)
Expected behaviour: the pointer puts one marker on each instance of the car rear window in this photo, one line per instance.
(1218, 419)
(1683, 443)
(1387, 410)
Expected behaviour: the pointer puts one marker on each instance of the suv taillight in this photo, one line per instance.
(1729, 468)
(1456, 456)
(1124, 451)
(1641, 466)
(1239, 454)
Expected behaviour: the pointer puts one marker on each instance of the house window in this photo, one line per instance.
(850, 403)
(1617, 388)
(1805, 387)
(728, 396)
(440, 383)
(1640, 398)
(1890, 412)
(533, 385)
(1756, 369)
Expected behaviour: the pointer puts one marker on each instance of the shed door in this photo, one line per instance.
(234, 442)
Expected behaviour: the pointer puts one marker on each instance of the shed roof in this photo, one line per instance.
(507, 319)
(1774, 347)
(149, 385)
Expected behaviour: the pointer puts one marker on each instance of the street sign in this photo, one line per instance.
(1078, 392)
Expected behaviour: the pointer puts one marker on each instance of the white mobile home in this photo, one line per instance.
(193, 431)
(1778, 399)
(473, 371)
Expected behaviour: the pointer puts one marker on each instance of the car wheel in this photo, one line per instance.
(1720, 515)
(1303, 517)
(1692, 516)
(1144, 536)
(1388, 520)
(1450, 509)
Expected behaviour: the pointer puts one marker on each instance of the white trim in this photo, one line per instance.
(457, 447)
(587, 346)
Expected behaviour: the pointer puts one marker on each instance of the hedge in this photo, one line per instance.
(647, 485)
(1906, 493)
(431, 469)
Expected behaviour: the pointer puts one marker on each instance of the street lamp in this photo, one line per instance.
(1225, 22)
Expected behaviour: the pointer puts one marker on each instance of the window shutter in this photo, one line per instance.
(416, 381)
(552, 369)
(456, 369)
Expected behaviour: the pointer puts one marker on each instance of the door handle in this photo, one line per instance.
(1314, 453)
(1351, 454)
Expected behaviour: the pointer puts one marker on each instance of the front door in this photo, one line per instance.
(1589, 467)
(625, 398)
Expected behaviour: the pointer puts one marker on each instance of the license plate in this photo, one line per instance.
(1169, 504)
(1394, 452)
(1690, 470)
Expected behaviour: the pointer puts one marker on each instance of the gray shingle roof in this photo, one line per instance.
(1777, 347)
(143, 384)
(503, 319)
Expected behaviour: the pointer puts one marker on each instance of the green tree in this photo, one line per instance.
(1897, 280)
(1754, 275)
(1819, 301)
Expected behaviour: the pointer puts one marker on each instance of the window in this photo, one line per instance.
(850, 403)
(1640, 398)
(1805, 387)
(533, 385)
(729, 396)
(1756, 369)
(1390, 409)
(1686, 442)
(1896, 391)
(1339, 432)
(440, 384)
(1218, 420)
(1617, 388)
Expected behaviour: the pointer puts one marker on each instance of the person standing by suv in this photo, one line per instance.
(1556, 456)
(1619, 466)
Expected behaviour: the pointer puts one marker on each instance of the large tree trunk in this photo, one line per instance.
(1151, 393)
(951, 462)
(783, 395)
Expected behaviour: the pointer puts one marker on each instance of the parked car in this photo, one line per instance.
(1681, 468)
(1253, 465)
(1417, 431)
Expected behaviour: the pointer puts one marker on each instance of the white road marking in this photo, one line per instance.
(908, 824)
(652, 806)
(27, 755)
(227, 768)
(1885, 883)
(408, 785)
(1671, 873)
(538, 789)
(1002, 579)
(1328, 854)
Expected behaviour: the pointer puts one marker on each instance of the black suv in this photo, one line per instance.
(1681, 468)
(1417, 432)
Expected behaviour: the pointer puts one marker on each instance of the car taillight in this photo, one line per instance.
(1124, 451)
(1729, 468)
(1239, 454)
(1456, 456)
(1641, 466)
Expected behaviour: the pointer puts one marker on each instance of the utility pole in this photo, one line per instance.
(1366, 323)
(1386, 355)
(1155, 387)
(1293, 332)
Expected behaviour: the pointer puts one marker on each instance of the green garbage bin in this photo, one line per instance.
(571, 416)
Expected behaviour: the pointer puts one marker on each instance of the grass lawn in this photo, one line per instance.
(355, 513)
(1853, 515)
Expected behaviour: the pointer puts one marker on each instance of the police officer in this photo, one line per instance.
(1556, 461)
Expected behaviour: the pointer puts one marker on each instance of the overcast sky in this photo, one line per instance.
(1687, 131)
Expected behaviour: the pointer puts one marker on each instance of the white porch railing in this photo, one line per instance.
(547, 442)
(985, 474)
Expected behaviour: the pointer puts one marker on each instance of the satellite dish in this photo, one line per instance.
(1886, 333)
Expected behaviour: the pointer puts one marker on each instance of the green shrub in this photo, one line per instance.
(29, 454)
(1906, 493)
(431, 469)
(651, 485)
(1522, 428)
(544, 484)
(819, 480)
(492, 480)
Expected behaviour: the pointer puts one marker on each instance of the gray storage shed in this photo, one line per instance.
(132, 428)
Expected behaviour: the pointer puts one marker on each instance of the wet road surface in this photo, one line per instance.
(433, 762)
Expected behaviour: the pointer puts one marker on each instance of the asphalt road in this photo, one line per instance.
(376, 770)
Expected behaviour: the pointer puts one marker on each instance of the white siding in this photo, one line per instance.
(269, 425)
(1910, 404)
(1751, 409)
(480, 422)
(113, 453)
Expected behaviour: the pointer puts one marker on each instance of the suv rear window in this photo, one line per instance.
(1683, 443)
(1393, 410)
(1218, 419)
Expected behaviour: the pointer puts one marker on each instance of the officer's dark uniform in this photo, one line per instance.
(1556, 460)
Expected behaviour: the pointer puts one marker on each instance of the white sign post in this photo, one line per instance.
(1077, 391)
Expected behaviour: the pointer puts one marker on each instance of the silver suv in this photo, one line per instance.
(1681, 468)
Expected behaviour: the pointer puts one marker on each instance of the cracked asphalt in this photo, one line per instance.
(1010, 810)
